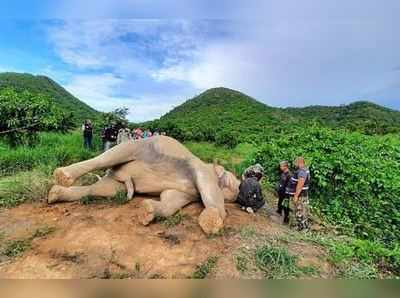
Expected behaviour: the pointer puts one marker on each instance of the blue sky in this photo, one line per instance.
(151, 58)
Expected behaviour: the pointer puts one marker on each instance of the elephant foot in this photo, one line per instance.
(147, 213)
(54, 194)
(63, 177)
(210, 220)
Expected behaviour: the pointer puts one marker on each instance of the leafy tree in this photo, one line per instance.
(116, 117)
(23, 115)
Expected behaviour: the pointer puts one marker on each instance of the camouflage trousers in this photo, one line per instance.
(301, 212)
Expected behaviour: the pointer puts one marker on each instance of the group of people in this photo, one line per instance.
(292, 189)
(114, 134)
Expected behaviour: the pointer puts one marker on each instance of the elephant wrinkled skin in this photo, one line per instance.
(161, 166)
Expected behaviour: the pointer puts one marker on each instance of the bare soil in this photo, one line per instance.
(103, 240)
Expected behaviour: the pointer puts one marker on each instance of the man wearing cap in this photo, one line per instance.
(297, 189)
(250, 196)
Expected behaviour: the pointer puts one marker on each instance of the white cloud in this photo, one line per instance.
(155, 63)
(99, 92)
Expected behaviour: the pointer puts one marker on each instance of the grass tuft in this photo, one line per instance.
(204, 269)
(16, 248)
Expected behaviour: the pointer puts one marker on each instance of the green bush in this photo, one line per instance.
(354, 178)
(24, 114)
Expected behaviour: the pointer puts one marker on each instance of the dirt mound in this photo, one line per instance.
(106, 241)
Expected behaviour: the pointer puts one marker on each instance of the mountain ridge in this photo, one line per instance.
(48, 87)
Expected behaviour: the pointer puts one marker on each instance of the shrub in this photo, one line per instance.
(354, 178)
(24, 114)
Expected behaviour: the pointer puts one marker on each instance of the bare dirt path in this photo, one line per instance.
(107, 241)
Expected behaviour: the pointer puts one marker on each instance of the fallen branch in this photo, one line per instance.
(19, 128)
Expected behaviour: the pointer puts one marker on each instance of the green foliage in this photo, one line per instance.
(120, 198)
(355, 178)
(116, 117)
(228, 117)
(24, 114)
(204, 269)
(16, 248)
(43, 231)
(362, 116)
(277, 263)
(242, 263)
(355, 258)
(247, 232)
(48, 88)
(232, 159)
(25, 186)
(173, 220)
(222, 116)
(52, 150)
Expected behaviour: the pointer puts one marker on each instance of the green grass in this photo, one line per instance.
(51, 151)
(119, 199)
(276, 262)
(235, 160)
(204, 269)
(43, 231)
(242, 263)
(354, 258)
(24, 186)
(15, 248)
(173, 220)
(247, 232)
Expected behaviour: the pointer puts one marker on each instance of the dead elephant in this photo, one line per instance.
(159, 166)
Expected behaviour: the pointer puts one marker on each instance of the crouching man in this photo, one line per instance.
(297, 189)
(250, 196)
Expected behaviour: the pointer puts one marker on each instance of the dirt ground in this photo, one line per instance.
(103, 240)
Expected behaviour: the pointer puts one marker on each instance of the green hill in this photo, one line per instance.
(362, 116)
(48, 87)
(222, 114)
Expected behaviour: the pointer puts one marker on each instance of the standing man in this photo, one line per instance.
(110, 136)
(87, 130)
(283, 197)
(297, 189)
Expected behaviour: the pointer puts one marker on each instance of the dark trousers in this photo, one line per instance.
(283, 205)
(87, 142)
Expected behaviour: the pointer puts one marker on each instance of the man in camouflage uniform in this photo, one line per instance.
(253, 171)
(297, 189)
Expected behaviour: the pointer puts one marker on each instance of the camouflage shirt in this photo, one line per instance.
(252, 171)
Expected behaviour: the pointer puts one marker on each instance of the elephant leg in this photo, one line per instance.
(212, 218)
(171, 202)
(119, 154)
(105, 187)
